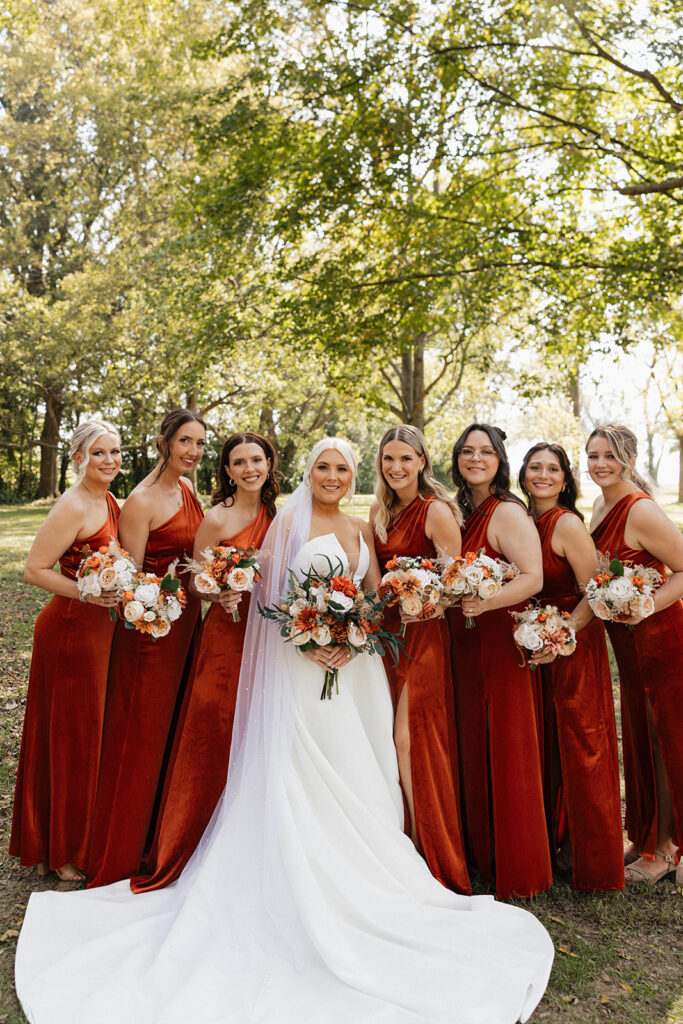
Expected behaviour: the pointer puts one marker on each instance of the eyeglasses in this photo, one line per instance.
(469, 453)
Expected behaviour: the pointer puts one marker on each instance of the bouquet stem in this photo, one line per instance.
(402, 630)
(112, 614)
(236, 615)
(331, 679)
(469, 622)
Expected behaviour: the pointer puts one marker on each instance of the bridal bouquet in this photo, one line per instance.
(226, 568)
(152, 604)
(544, 631)
(109, 570)
(620, 591)
(330, 609)
(414, 585)
(474, 574)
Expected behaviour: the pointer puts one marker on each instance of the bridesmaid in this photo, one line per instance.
(414, 516)
(60, 748)
(243, 508)
(158, 524)
(495, 697)
(649, 652)
(580, 755)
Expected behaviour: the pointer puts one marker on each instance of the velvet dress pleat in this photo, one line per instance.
(496, 705)
(146, 682)
(579, 725)
(650, 661)
(60, 749)
(425, 669)
(198, 766)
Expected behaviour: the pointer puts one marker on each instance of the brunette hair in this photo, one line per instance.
(570, 491)
(623, 444)
(226, 486)
(84, 437)
(500, 485)
(171, 423)
(426, 482)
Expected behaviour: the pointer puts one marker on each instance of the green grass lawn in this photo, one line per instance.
(618, 956)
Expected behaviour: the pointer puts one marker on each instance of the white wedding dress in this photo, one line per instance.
(305, 903)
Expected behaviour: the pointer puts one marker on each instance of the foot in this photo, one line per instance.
(70, 873)
(631, 853)
(648, 872)
(42, 869)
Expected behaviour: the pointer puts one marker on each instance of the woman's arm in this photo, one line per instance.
(214, 527)
(373, 575)
(134, 521)
(513, 533)
(442, 529)
(572, 541)
(650, 528)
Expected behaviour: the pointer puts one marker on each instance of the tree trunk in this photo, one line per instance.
(49, 446)
(413, 382)
(680, 466)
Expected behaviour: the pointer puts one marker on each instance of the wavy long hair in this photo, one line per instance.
(84, 437)
(570, 490)
(500, 485)
(426, 481)
(226, 487)
(623, 444)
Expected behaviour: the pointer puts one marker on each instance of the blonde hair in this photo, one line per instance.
(337, 444)
(623, 444)
(426, 482)
(84, 437)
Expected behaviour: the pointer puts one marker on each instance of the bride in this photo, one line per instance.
(305, 900)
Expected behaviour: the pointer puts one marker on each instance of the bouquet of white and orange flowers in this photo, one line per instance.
(544, 630)
(226, 568)
(330, 609)
(620, 591)
(109, 570)
(153, 603)
(474, 574)
(414, 585)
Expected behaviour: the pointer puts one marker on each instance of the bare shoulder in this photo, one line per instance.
(570, 527)
(140, 503)
(646, 512)
(374, 512)
(440, 512)
(511, 513)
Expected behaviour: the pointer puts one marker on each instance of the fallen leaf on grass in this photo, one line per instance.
(11, 933)
(626, 988)
(570, 1000)
(604, 1001)
(558, 920)
(568, 952)
(623, 956)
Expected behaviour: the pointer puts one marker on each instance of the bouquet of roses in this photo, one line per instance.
(330, 609)
(544, 631)
(152, 603)
(620, 591)
(474, 574)
(226, 568)
(109, 570)
(414, 585)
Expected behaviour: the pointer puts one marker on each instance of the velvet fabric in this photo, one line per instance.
(54, 798)
(198, 766)
(496, 705)
(425, 669)
(146, 683)
(650, 660)
(582, 800)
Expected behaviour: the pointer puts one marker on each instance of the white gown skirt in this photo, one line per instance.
(307, 906)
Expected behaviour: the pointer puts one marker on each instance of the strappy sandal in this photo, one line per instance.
(635, 874)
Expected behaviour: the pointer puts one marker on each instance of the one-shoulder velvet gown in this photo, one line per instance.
(60, 747)
(496, 708)
(198, 766)
(425, 669)
(650, 660)
(578, 722)
(146, 678)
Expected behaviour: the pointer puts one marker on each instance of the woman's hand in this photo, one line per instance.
(227, 599)
(473, 606)
(329, 657)
(437, 614)
(542, 658)
(107, 600)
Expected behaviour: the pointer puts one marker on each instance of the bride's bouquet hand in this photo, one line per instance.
(329, 657)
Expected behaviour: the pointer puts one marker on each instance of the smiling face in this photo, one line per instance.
(186, 447)
(331, 477)
(248, 466)
(603, 466)
(477, 461)
(544, 477)
(401, 466)
(103, 460)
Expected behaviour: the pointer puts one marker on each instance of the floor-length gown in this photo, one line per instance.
(198, 766)
(650, 661)
(496, 710)
(578, 722)
(146, 679)
(60, 747)
(308, 903)
(425, 669)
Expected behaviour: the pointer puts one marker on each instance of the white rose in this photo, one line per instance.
(147, 593)
(297, 607)
(356, 635)
(108, 579)
(411, 604)
(474, 574)
(149, 616)
(340, 600)
(161, 628)
(620, 589)
(301, 638)
(174, 609)
(527, 637)
(488, 588)
(90, 585)
(458, 586)
(321, 634)
(133, 611)
(241, 579)
(206, 584)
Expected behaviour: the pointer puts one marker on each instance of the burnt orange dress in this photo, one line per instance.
(425, 669)
(650, 660)
(583, 802)
(54, 798)
(498, 736)
(146, 680)
(198, 766)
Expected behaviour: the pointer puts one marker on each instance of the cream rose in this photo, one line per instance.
(527, 637)
(241, 579)
(133, 611)
(297, 607)
(458, 585)
(205, 584)
(149, 616)
(301, 638)
(147, 593)
(340, 600)
(174, 609)
(474, 574)
(488, 588)
(601, 609)
(356, 636)
(108, 578)
(90, 585)
(411, 604)
(321, 634)
(160, 628)
(645, 605)
(620, 589)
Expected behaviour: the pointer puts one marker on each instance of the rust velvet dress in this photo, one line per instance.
(578, 724)
(145, 682)
(425, 669)
(650, 660)
(60, 747)
(198, 766)
(496, 707)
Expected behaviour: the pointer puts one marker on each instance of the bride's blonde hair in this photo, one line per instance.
(337, 444)
(426, 482)
(623, 444)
